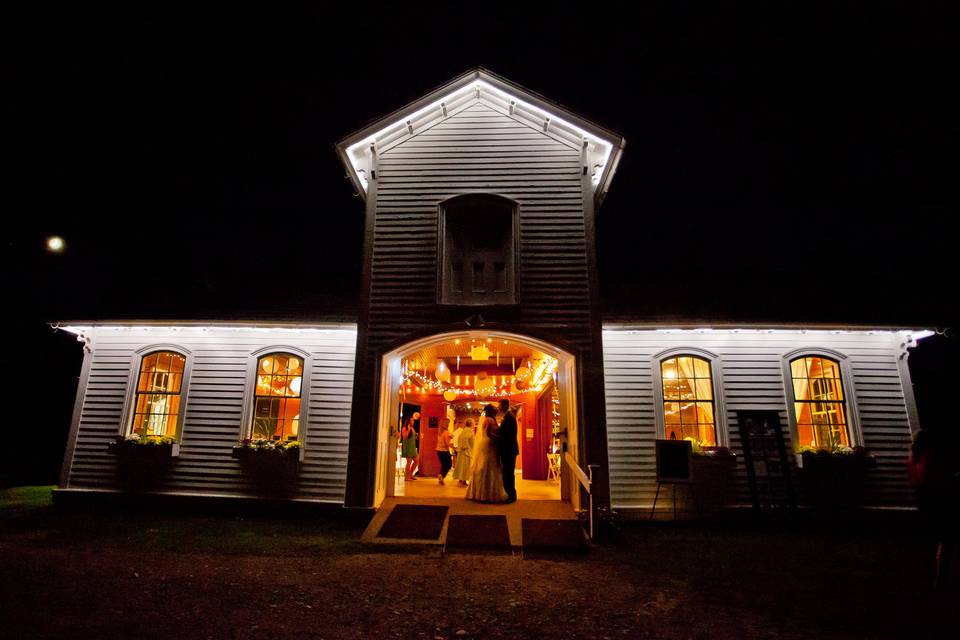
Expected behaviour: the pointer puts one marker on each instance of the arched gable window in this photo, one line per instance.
(478, 251)
(689, 402)
(276, 405)
(819, 403)
(156, 407)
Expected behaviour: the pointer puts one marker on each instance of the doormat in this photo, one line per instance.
(553, 536)
(478, 533)
(414, 521)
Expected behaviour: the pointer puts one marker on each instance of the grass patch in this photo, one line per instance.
(20, 499)
(28, 517)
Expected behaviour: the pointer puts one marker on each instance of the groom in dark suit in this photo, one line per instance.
(507, 449)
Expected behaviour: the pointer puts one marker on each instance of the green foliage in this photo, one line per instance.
(288, 447)
(696, 445)
(832, 444)
(136, 439)
(25, 498)
(28, 520)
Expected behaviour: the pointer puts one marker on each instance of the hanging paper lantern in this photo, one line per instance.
(522, 385)
(523, 373)
(483, 385)
(449, 395)
(442, 372)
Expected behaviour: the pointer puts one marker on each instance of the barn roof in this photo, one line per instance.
(604, 147)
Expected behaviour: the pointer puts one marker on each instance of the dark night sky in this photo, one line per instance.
(786, 166)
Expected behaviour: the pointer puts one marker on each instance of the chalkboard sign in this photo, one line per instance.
(673, 460)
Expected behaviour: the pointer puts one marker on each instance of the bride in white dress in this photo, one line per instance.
(486, 477)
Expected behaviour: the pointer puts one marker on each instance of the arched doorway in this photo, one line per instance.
(538, 377)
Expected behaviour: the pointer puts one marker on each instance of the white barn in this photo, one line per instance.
(480, 201)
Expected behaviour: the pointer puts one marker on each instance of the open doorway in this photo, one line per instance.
(448, 379)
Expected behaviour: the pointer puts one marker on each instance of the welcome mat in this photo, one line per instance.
(415, 521)
(552, 535)
(478, 533)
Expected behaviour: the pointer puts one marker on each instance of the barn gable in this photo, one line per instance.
(482, 92)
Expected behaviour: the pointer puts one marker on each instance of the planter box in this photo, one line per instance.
(272, 471)
(142, 467)
(712, 479)
(833, 481)
(120, 447)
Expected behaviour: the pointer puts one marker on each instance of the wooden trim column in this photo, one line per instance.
(594, 424)
(362, 449)
(77, 413)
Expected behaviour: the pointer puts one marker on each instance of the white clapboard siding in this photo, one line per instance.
(480, 149)
(751, 377)
(213, 404)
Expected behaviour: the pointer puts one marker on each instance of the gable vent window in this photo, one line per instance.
(478, 251)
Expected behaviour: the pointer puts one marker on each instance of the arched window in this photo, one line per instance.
(276, 408)
(157, 402)
(819, 403)
(688, 399)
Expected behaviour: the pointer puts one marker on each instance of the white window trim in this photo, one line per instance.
(854, 432)
(719, 407)
(136, 360)
(249, 388)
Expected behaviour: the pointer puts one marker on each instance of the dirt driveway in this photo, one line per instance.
(110, 575)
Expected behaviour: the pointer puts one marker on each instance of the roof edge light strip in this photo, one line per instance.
(605, 146)
(86, 329)
(915, 334)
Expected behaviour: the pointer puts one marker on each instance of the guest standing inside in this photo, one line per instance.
(507, 449)
(408, 445)
(461, 472)
(443, 452)
(454, 447)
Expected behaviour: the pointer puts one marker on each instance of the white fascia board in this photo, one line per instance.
(199, 329)
(912, 335)
(603, 147)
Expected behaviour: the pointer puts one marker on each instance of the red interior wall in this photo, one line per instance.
(533, 455)
(532, 445)
(430, 405)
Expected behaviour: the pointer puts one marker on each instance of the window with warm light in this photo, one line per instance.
(276, 408)
(819, 403)
(157, 402)
(688, 400)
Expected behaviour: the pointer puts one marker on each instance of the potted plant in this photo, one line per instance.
(832, 477)
(273, 465)
(143, 460)
(712, 472)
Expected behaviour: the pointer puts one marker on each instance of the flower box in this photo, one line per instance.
(274, 467)
(142, 462)
(833, 479)
(712, 474)
(155, 448)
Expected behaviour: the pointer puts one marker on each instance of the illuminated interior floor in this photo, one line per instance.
(430, 488)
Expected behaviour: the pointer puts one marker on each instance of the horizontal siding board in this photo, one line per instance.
(479, 149)
(214, 406)
(751, 378)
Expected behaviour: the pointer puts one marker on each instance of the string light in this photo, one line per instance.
(501, 390)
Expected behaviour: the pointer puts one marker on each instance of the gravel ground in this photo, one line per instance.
(80, 575)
